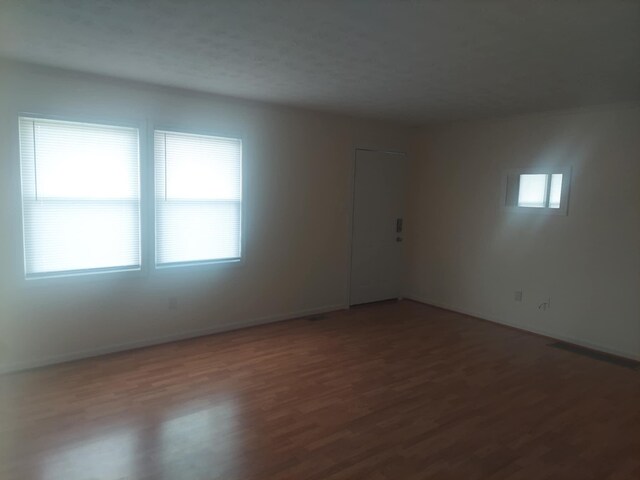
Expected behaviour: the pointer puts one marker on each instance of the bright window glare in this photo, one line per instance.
(198, 198)
(86, 161)
(532, 191)
(555, 190)
(80, 196)
(202, 168)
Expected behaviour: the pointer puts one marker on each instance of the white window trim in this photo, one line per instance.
(203, 265)
(509, 176)
(85, 275)
(148, 268)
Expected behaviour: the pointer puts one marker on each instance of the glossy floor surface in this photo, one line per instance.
(389, 391)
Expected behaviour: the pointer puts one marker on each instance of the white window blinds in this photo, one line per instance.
(198, 185)
(81, 197)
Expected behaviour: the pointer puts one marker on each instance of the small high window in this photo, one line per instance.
(538, 191)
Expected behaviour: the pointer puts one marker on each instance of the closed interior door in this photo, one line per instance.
(378, 226)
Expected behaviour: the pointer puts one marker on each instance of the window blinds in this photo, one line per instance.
(81, 197)
(198, 190)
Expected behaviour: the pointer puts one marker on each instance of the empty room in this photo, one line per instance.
(309, 240)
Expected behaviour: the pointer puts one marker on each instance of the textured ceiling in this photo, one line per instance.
(414, 61)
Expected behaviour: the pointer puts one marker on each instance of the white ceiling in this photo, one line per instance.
(414, 61)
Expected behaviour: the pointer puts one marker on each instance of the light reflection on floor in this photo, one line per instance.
(108, 457)
(188, 438)
(180, 441)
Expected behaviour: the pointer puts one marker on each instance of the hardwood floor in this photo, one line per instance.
(389, 391)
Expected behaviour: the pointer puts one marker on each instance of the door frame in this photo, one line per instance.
(351, 205)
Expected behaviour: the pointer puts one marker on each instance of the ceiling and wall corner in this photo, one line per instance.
(410, 61)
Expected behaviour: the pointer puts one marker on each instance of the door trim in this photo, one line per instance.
(352, 197)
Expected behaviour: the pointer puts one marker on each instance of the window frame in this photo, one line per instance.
(148, 269)
(94, 273)
(152, 247)
(510, 189)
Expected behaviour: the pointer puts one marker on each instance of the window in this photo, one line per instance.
(198, 191)
(533, 190)
(555, 191)
(538, 191)
(80, 196)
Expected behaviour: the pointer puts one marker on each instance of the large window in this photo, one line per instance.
(82, 203)
(81, 197)
(198, 193)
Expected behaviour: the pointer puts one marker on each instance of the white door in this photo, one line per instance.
(378, 212)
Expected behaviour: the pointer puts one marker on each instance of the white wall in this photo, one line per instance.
(466, 252)
(298, 168)
(470, 255)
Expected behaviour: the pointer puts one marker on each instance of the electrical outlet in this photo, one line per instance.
(172, 304)
(545, 305)
(517, 296)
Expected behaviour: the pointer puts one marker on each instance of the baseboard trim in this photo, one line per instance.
(535, 331)
(121, 347)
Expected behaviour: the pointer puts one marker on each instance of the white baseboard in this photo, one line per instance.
(120, 347)
(526, 328)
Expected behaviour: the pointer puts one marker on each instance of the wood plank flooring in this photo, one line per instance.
(389, 391)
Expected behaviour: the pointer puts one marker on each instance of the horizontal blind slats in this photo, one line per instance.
(198, 197)
(81, 199)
